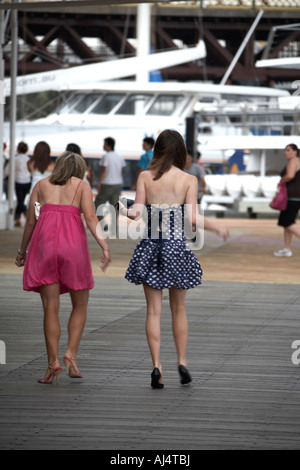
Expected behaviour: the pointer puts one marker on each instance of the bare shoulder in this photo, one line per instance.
(44, 182)
(84, 191)
(192, 179)
(84, 185)
(146, 175)
(188, 179)
(294, 163)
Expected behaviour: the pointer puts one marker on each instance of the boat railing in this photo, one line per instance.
(253, 119)
(242, 4)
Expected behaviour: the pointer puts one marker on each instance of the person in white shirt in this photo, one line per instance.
(22, 181)
(111, 177)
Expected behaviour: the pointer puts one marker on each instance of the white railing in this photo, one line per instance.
(255, 4)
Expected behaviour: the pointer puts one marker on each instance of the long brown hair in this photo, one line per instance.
(169, 150)
(67, 165)
(41, 158)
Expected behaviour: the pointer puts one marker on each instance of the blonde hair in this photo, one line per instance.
(67, 165)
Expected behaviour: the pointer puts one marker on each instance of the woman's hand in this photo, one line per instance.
(20, 260)
(105, 259)
(223, 232)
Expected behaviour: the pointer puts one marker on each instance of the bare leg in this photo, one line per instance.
(77, 319)
(75, 329)
(50, 298)
(288, 235)
(154, 308)
(180, 324)
(293, 230)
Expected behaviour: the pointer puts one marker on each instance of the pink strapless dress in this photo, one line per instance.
(58, 251)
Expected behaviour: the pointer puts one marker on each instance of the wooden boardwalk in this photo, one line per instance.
(245, 392)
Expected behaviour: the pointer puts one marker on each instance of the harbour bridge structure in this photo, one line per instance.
(57, 34)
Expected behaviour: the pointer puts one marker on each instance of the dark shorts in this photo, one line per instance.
(289, 216)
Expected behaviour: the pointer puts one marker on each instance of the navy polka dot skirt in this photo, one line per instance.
(162, 259)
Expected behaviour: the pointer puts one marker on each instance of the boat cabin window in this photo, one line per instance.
(85, 103)
(78, 104)
(68, 103)
(165, 105)
(135, 104)
(108, 103)
(207, 99)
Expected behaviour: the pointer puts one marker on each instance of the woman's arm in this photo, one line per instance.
(29, 228)
(196, 219)
(87, 206)
(136, 211)
(291, 170)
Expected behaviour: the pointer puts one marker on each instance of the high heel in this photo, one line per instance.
(156, 376)
(71, 367)
(51, 373)
(185, 377)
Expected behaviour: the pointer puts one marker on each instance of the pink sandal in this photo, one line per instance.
(71, 366)
(51, 373)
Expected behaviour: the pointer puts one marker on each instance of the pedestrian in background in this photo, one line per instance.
(4, 163)
(89, 176)
(287, 218)
(40, 165)
(22, 181)
(145, 160)
(111, 177)
(196, 170)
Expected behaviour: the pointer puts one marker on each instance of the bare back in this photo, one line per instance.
(31, 167)
(68, 194)
(174, 187)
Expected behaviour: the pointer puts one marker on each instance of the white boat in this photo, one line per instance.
(129, 111)
(227, 118)
(96, 102)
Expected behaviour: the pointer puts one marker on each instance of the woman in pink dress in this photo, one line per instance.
(58, 259)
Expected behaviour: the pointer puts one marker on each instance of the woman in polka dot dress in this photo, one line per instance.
(162, 259)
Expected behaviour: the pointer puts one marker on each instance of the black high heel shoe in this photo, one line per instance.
(156, 376)
(185, 375)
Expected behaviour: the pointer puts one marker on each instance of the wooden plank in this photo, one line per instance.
(245, 392)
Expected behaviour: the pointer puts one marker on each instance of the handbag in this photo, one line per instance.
(280, 201)
(37, 210)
